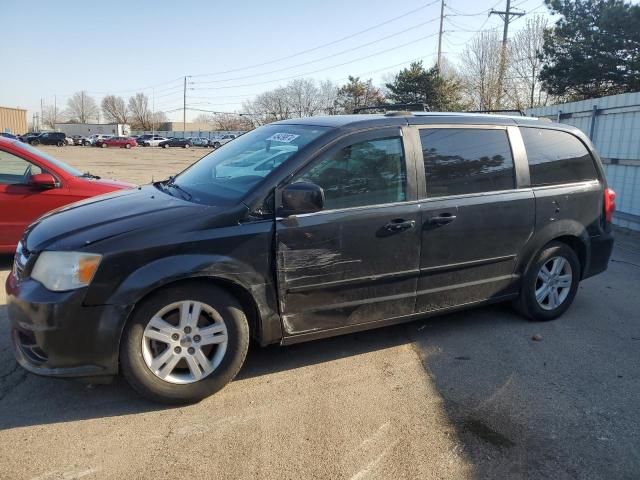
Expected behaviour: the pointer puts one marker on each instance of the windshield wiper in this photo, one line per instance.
(90, 175)
(186, 195)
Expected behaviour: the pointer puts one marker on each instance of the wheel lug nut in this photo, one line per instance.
(177, 349)
(187, 329)
(175, 336)
(191, 350)
(196, 338)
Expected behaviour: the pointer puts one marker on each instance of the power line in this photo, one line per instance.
(309, 50)
(316, 71)
(325, 57)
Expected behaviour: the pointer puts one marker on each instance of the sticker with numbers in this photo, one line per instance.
(283, 137)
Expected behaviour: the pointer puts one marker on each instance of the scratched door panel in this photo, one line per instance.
(340, 268)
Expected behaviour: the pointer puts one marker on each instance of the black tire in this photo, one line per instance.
(143, 380)
(186, 145)
(60, 143)
(103, 145)
(166, 145)
(35, 143)
(527, 303)
(127, 146)
(86, 144)
(216, 145)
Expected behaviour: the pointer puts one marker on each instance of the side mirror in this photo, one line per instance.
(43, 180)
(301, 197)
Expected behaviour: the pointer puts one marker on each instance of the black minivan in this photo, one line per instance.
(304, 229)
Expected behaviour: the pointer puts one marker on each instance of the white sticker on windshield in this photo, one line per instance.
(283, 137)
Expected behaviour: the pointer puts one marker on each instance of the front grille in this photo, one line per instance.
(20, 261)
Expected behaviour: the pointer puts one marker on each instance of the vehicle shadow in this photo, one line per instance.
(6, 261)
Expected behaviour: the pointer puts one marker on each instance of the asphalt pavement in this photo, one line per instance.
(477, 394)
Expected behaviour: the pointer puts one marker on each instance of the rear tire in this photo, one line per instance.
(546, 293)
(35, 143)
(60, 143)
(166, 145)
(104, 145)
(216, 144)
(186, 145)
(127, 146)
(178, 384)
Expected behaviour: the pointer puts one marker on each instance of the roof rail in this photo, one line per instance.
(416, 107)
(519, 112)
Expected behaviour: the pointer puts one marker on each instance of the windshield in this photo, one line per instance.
(50, 159)
(229, 173)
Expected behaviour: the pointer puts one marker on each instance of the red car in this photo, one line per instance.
(33, 182)
(121, 142)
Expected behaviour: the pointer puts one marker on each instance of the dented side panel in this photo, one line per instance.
(343, 268)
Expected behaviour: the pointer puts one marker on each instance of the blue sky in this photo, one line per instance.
(53, 49)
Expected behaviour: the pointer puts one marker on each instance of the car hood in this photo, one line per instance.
(77, 225)
(108, 183)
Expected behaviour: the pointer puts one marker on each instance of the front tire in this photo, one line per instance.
(127, 146)
(184, 343)
(550, 283)
(166, 145)
(104, 145)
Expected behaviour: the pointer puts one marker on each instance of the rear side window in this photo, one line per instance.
(464, 160)
(556, 157)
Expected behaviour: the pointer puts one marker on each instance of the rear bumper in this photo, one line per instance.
(54, 334)
(601, 248)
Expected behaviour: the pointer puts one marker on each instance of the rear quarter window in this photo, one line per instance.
(556, 157)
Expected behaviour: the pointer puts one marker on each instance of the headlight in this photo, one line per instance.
(60, 271)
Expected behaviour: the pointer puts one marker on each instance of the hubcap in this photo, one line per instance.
(184, 342)
(553, 283)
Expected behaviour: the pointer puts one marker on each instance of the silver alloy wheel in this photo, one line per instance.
(184, 342)
(553, 283)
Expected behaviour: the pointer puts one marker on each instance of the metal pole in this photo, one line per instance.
(41, 108)
(440, 35)
(184, 109)
(507, 18)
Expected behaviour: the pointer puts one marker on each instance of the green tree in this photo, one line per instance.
(593, 50)
(357, 93)
(417, 85)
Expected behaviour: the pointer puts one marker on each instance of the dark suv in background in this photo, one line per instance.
(49, 138)
(304, 229)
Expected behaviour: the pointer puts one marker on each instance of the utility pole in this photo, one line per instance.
(82, 119)
(42, 108)
(440, 35)
(507, 17)
(184, 109)
(55, 109)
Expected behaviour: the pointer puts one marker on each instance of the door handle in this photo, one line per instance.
(399, 225)
(442, 219)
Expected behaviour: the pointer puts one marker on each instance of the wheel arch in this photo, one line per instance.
(569, 232)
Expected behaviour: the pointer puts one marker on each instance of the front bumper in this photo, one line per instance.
(54, 334)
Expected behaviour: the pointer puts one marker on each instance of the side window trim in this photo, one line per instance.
(519, 175)
(350, 139)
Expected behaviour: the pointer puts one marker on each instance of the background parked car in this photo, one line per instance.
(176, 142)
(200, 142)
(78, 139)
(121, 142)
(50, 138)
(152, 141)
(218, 142)
(8, 135)
(95, 137)
(33, 183)
(27, 137)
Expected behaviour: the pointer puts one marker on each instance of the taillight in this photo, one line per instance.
(609, 204)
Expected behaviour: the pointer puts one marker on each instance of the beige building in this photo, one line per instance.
(13, 120)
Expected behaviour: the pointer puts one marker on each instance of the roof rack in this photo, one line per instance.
(519, 112)
(416, 107)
